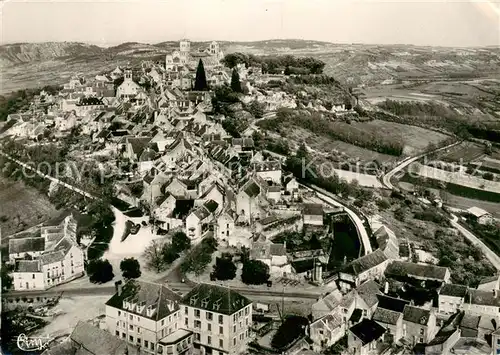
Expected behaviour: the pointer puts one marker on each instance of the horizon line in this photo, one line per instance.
(115, 44)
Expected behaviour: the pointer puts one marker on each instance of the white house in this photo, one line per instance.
(481, 216)
(225, 225)
(451, 298)
(197, 222)
(313, 214)
(268, 170)
(128, 89)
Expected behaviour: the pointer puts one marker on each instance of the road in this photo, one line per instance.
(331, 199)
(386, 178)
(182, 288)
(490, 255)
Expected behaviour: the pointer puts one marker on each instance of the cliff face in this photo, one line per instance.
(19, 53)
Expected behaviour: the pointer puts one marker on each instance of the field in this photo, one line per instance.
(329, 146)
(463, 152)
(22, 207)
(416, 139)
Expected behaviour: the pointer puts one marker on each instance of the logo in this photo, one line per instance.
(25, 343)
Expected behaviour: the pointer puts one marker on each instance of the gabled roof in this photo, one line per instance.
(367, 331)
(24, 245)
(483, 298)
(368, 291)
(416, 315)
(386, 316)
(53, 257)
(329, 322)
(365, 263)
(138, 144)
(215, 298)
(478, 212)
(201, 212)
(453, 290)
(314, 209)
(391, 303)
(404, 268)
(28, 266)
(164, 300)
(97, 341)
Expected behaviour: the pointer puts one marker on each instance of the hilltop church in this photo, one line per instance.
(211, 56)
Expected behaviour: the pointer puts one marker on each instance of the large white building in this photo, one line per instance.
(148, 315)
(219, 318)
(48, 260)
(211, 56)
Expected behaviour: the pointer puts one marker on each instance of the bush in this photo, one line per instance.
(224, 269)
(383, 204)
(255, 272)
(130, 268)
(170, 253)
(488, 176)
(199, 257)
(292, 328)
(100, 271)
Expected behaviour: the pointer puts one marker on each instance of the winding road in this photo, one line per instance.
(490, 255)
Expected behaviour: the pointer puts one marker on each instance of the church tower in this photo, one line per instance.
(214, 48)
(185, 48)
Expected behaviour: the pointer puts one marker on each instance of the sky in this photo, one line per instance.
(109, 22)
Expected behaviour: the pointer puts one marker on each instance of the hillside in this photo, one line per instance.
(37, 64)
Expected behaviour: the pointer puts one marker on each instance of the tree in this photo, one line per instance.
(100, 271)
(170, 254)
(200, 83)
(292, 328)
(256, 109)
(154, 256)
(224, 269)
(130, 268)
(255, 272)
(6, 278)
(180, 242)
(235, 81)
(287, 71)
(488, 176)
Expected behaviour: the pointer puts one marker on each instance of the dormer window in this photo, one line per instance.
(217, 304)
(193, 300)
(204, 302)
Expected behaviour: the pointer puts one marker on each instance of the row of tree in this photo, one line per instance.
(276, 63)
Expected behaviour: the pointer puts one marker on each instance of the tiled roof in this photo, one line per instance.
(149, 294)
(98, 341)
(416, 315)
(215, 298)
(404, 268)
(277, 249)
(28, 266)
(365, 263)
(52, 257)
(470, 321)
(383, 315)
(483, 298)
(453, 290)
(368, 291)
(23, 245)
(138, 144)
(211, 206)
(252, 190)
(388, 242)
(201, 212)
(367, 331)
(329, 322)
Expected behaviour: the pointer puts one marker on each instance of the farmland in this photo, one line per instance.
(415, 139)
(22, 207)
(463, 152)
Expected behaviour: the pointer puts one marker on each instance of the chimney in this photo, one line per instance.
(386, 288)
(118, 287)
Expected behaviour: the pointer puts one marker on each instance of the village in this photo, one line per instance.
(210, 229)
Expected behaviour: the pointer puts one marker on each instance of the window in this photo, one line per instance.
(421, 340)
(131, 338)
(210, 316)
(234, 341)
(234, 328)
(186, 322)
(197, 324)
(131, 317)
(246, 321)
(117, 333)
(221, 330)
(197, 313)
(209, 327)
(139, 330)
(365, 312)
(162, 322)
(146, 343)
(221, 343)
(221, 319)
(138, 340)
(421, 331)
(123, 335)
(131, 327)
(246, 311)
(119, 313)
(152, 346)
(209, 340)
(197, 336)
(33, 275)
